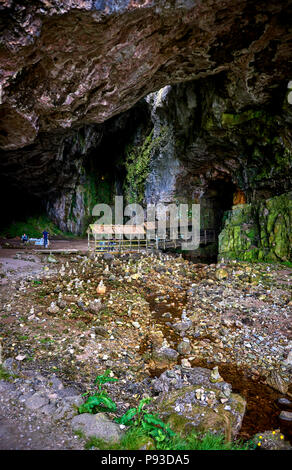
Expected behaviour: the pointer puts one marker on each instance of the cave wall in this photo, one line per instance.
(155, 100)
(258, 231)
(70, 63)
(103, 168)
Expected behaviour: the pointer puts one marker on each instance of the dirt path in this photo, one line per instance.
(21, 262)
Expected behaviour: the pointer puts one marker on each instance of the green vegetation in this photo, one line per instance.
(287, 263)
(99, 401)
(148, 431)
(137, 165)
(137, 438)
(98, 189)
(267, 155)
(33, 227)
(259, 231)
(137, 161)
(4, 374)
(230, 120)
(151, 424)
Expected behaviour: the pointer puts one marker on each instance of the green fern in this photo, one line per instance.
(151, 424)
(104, 378)
(99, 402)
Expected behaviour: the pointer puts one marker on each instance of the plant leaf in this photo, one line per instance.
(127, 417)
(142, 403)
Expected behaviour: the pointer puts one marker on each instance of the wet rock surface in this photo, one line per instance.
(122, 51)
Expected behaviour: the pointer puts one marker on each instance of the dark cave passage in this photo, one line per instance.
(18, 204)
(217, 199)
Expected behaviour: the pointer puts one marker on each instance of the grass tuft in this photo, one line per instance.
(136, 438)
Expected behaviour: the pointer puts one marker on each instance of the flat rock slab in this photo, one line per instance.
(99, 426)
(36, 401)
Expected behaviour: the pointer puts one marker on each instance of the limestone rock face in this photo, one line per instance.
(259, 231)
(67, 63)
(80, 80)
(97, 425)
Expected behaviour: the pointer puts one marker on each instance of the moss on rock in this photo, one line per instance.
(259, 232)
(183, 411)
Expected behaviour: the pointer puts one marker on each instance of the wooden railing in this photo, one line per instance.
(135, 244)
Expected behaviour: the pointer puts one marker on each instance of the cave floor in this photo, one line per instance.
(239, 319)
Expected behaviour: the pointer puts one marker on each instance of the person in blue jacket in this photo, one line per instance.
(24, 238)
(45, 237)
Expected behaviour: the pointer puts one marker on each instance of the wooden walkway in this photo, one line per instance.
(112, 239)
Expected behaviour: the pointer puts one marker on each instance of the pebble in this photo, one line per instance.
(286, 415)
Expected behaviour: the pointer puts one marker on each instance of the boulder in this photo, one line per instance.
(164, 356)
(200, 409)
(189, 400)
(97, 425)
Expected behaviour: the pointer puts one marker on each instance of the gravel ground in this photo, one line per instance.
(75, 316)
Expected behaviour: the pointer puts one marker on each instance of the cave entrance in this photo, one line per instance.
(18, 205)
(216, 200)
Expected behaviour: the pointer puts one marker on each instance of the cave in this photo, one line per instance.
(216, 200)
(126, 108)
(130, 110)
(17, 205)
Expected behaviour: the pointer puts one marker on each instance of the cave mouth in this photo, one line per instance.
(18, 205)
(216, 200)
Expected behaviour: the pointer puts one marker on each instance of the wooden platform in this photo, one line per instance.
(128, 238)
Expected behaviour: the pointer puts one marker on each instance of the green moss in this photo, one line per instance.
(33, 227)
(5, 375)
(231, 120)
(97, 190)
(137, 166)
(259, 231)
(267, 152)
(208, 124)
